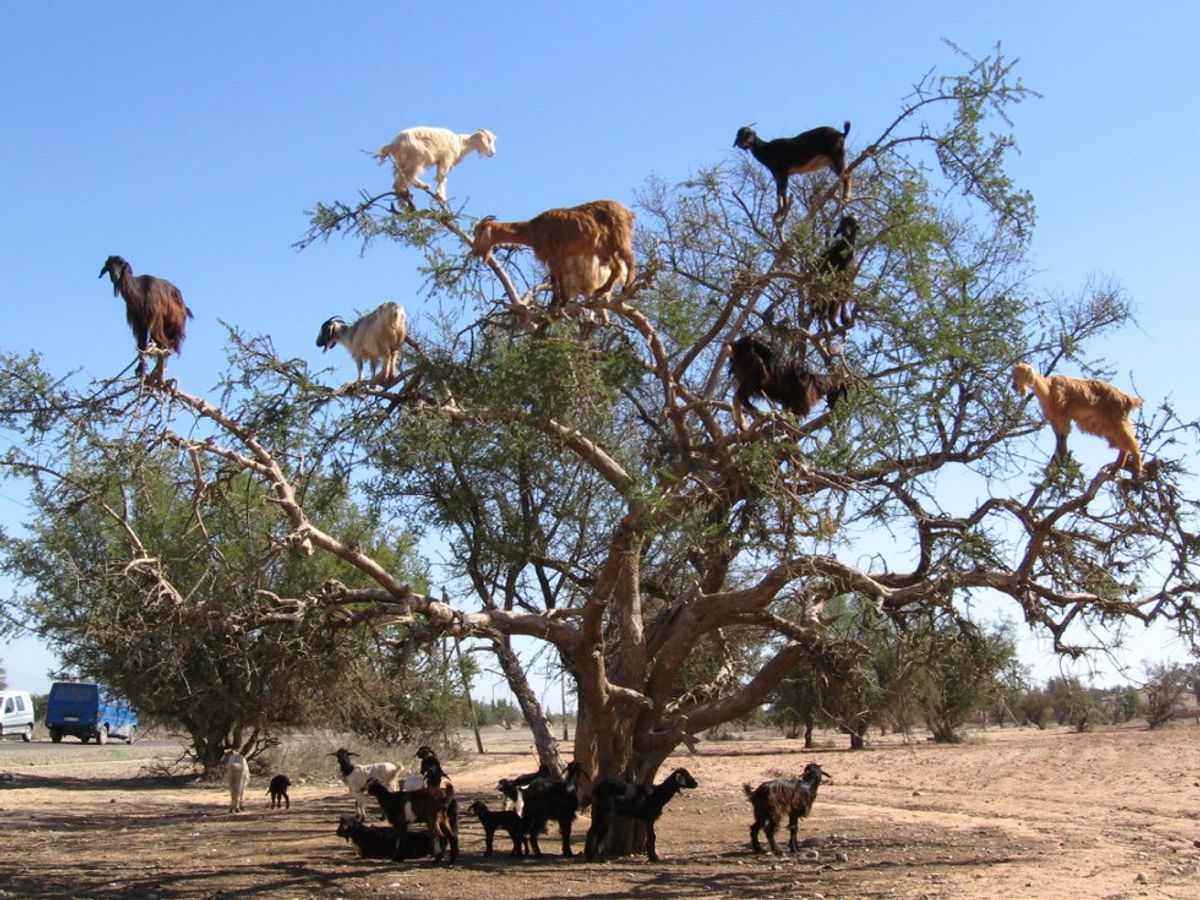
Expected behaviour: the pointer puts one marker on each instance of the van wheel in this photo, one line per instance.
(85, 738)
(102, 735)
(55, 735)
(132, 734)
(27, 734)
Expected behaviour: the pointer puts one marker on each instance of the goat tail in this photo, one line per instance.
(845, 128)
(748, 790)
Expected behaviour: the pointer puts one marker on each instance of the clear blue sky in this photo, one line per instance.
(190, 138)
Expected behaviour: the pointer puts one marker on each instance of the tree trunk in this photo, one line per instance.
(539, 724)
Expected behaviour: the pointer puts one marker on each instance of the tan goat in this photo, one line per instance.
(601, 229)
(1095, 406)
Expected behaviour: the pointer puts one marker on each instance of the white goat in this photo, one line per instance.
(416, 149)
(237, 776)
(376, 338)
(356, 777)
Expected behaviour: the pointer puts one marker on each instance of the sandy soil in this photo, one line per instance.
(1011, 813)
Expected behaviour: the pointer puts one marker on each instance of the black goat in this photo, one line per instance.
(278, 791)
(615, 797)
(154, 309)
(506, 819)
(429, 805)
(773, 800)
(835, 270)
(380, 842)
(553, 798)
(761, 371)
(809, 151)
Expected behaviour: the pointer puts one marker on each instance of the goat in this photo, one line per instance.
(809, 151)
(415, 149)
(835, 271)
(237, 776)
(553, 798)
(429, 805)
(761, 371)
(380, 843)
(356, 777)
(513, 789)
(278, 790)
(154, 309)
(376, 338)
(772, 800)
(617, 797)
(586, 276)
(507, 819)
(1095, 406)
(601, 230)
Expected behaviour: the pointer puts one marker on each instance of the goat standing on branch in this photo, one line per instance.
(416, 149)
(154, 309)
(836, 273)
(376, 338)
(759, 370)
(1095, 406)
(601, 229)
(809, 151)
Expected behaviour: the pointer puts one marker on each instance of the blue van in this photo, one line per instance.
(88, 711)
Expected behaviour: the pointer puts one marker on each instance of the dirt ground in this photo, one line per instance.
(1010, 813)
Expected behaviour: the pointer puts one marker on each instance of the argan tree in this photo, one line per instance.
(595, 498)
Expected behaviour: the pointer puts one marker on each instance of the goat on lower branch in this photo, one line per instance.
(759, 370)
(613, 797)
(375, 338)
(154, 309)
(809, 151)
(416, 149)
(1095, 406)
(600, 229)
(773, 800)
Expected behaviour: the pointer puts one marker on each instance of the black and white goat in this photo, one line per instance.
(356, 777)
(613, 797)
(513, 789)
(835, 274)
(429, 806)
(493, 820)
(376, 338)
(759, 370)
(775, 800)
(377, 842)
(809, 151)
(553, 798)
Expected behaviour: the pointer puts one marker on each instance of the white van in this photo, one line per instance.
(16, 714)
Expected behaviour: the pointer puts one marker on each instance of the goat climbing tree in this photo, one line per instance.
(594, 496)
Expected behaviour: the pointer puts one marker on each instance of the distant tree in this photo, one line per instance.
(961, 674)
(1072, 704)
(1125, 704)
(1164, 688)
(1035, 707)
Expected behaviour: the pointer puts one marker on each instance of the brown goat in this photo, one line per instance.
(775, 800)
(1095, 406)
(602, 229)
(154, 309)
(761, 371)
(432, 806)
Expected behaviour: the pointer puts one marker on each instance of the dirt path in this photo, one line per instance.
(1012, 813)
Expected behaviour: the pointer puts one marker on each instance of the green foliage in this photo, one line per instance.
(1165, 687)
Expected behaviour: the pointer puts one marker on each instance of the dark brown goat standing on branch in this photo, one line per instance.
(809, 151)
(154, 309)
(759, 370)
(1095, 406)
(835, 271)
(600, 229)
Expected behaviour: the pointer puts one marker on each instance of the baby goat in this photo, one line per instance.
(809, 151)
(835, 272)
(1095, 406)
(773, 800)
(601, 229)
(376, 338)
(613, 797)
(507, 819)
(278, 790)
(761, 371)
(416, 149)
